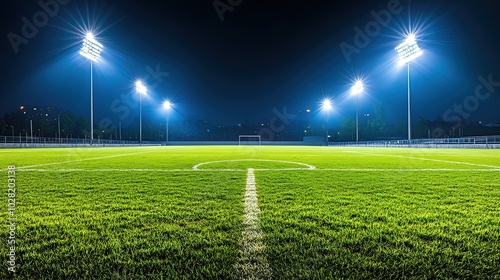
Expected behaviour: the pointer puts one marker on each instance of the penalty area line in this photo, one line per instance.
(252, 261)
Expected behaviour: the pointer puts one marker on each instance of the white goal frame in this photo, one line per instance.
(249, 136)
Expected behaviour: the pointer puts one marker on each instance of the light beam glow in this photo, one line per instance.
(327, 104)
(167, 105)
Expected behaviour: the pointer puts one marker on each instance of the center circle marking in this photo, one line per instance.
(306, 166)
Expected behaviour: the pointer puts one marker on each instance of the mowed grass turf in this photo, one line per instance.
(384, 225)
(142, 213)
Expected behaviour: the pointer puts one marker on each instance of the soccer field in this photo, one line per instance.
(252, 211)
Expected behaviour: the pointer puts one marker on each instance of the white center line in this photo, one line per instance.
(252, 262)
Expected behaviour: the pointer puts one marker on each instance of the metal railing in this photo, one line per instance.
(492, 142)
(483, 142)
(27, 141)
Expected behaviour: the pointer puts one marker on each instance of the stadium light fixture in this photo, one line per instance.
(409, 51)
(167, 105)
(141, 89)
(327, 104)
(91, 49)
(357, 89)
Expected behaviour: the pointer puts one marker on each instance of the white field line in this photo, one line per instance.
(428, 159)
(78, 160)
(411, 169)
(254, 160)
(265, 169)
(106, 170)
(252, 261)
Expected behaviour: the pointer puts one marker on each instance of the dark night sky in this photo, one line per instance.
(264, 55)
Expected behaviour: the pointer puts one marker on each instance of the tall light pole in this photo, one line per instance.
(31, 130)
(141, 89)
(58, 127)
(327, 106)
(91, 49)
(357, 89)
(409, 51)
(13, 135)
(167, 105)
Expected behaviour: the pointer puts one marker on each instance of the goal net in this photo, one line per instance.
(249, 140)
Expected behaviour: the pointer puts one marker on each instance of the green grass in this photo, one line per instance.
(78, 225)
(142, 213)
(352, 225)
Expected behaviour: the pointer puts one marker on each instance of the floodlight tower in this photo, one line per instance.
(167, 105)
(59, 126)
(141, 89)
(409, 51)
(327, 106)
(91, 49)
(357, 89)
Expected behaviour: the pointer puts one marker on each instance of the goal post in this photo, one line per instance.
(249, 140)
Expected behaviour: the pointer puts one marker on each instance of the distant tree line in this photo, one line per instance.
(375, 127)
(67, 123)
(371, 127)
